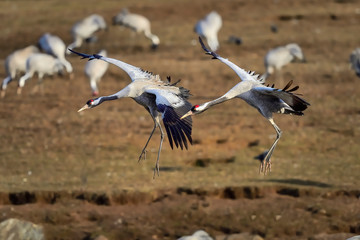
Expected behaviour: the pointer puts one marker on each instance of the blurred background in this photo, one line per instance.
(78, 175)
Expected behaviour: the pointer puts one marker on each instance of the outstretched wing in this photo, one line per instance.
(244, 75)
(134, 72)
(172, 107)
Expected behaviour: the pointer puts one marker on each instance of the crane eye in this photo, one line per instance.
(90, 102)
(194, 107)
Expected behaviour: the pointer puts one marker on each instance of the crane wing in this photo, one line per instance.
(172, 107)
(295, 102)
(244, 75)
(133, 72)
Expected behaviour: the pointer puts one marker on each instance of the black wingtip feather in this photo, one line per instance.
(174, 136)
(287, 85)
(83, 55)
(169, 136)
(178, 130)
(293, 89)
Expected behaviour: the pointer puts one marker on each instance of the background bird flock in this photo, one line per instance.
(46, 145)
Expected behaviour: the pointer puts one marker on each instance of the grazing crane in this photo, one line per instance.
(278, 57)
(208, 28)
(53, 45)
(138, 24)
(84, 30)
(42, 64)
(162, 100)
(95, 70)
(355, 61)
(16, 63)
(267, 100)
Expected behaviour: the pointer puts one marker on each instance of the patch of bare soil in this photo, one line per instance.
(271, 212)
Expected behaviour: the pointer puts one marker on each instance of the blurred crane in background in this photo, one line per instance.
(42, 64)
(95, 70)
(16, 63)
(53, 45)
(355, 61)
(85, 29)
(138, 24)
(278, 57)
(208, 28)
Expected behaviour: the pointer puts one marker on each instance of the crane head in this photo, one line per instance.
(89, 104)
(194, 110)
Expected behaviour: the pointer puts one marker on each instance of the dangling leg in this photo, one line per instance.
(39, 88)
(93, 86)
(157, 166)
(143, 152)
(22, 81)
(265, 165)
(4, 85)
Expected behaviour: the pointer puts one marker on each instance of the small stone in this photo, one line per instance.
(13, 228)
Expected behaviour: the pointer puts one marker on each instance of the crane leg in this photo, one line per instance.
(143, 152)
(157, 166)
(4, 85)
(265, 165)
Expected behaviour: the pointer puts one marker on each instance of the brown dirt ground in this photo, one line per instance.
(78, 175)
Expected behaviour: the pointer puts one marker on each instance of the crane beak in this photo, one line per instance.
(189, 113)
(84, 108)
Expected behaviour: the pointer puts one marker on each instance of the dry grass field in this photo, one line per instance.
(78, 174)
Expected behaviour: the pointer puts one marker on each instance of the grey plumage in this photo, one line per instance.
(267, 100)
(355, 61)
(85, 29)
(163, 100)
(138, 24)
(278, 57)
(15, 63)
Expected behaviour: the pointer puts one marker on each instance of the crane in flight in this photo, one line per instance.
(163, 100)
(267, 100)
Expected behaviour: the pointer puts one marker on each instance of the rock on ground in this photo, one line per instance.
(333, 236)
(13, 228)
(198, 235)
(239, 236)
(354, 238)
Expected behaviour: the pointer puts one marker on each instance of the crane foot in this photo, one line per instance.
(142, 155)
(265, 166)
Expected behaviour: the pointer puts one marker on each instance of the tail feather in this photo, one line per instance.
(295, 102)
(288, 111)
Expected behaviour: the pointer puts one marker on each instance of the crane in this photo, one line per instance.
(55, 46)
(42, 64)
(355, 61)
(163, 100)
(138, 24)
(267, 100)
(208, 27)
(85, 29)
(16, 63)
(95, 70)
(278, 57)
